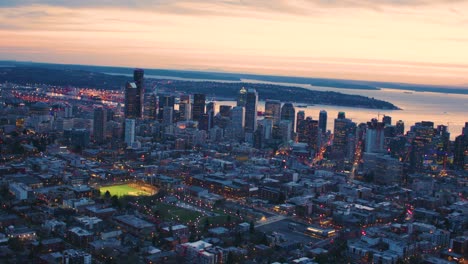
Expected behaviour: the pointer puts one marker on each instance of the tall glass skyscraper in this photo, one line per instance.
(198, 108)
(289, 113)
(99, 125)
(323, 121)
(134, 95)
(273, 111)
(251, 104)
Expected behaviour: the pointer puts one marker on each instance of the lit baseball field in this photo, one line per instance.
(123, 190)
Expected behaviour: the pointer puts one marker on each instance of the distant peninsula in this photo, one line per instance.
(37, 75)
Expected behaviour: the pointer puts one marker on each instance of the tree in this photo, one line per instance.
(281, 198)
(230, 258)
(116, 202)
(171, 231)
(238, 239)
(252, 227)
(15, 244)
(206, 225)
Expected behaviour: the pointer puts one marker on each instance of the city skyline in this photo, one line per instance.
(411, 41)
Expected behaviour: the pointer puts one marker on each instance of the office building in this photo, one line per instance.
(150, 107)
(289, 113)
(375, 137)
(400, 127)
(99, 125)
(342, 129)
(210, 112)
(131, 101)
(251, 104)
(273, 111)
(165, 101)
(387, 120)
(285, 130)
(323, 121)
(168, 115)
(242, 97)
(129, 131)
(198, 108)
(238, 121)
(308, 132)
(134, 95)
(185, 107)
(299, 117)
(225, 110)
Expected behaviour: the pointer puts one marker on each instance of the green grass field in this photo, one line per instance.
(123, 190)
(171, 212)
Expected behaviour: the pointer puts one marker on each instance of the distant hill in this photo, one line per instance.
(88, 79)
(224, 76)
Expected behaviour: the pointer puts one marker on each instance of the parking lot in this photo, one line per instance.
(283, 227)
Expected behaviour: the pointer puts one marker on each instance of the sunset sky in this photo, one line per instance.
(418, 41)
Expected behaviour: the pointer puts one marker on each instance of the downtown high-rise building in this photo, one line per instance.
(273, 111)
(323, 121)
(288, 112)
(238, 121)
(132, 101)
(400, 127)
(164, 102)
(375, 137)
(151, 107)
(198, 107)
(134, 95)
(185, 107)
(387, 120)
(168, 115)
(225, 110)
(99, 125)
(460, 155)
(242, 97)
(308, 132)
(343, 131)
(129, 134)
(251, 105)
(210, 113)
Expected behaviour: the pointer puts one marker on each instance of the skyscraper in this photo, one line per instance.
(185, 107)
(309, 133)
(300, 117)
(251, 104)
(138, 78)
(225, 110)
(134, 95)
(129, 131)
(323, 121)
(168, 116)
(342, 129)
(273, 111)
(400, 127)
(99, 124)
(165, 101)
(131, 101)
(242, 97)
(198, 108)
(150, 107)
(210, 112)
(289, 113)
(387, 120)
(375, 137)
(285, 128)
(238, 121)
